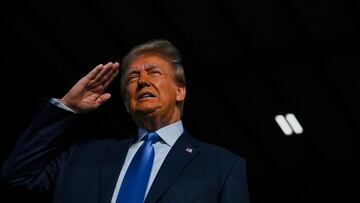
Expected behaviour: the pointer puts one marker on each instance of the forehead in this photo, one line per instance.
(146, 60)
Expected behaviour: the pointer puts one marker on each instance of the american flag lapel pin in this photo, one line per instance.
(188, 149)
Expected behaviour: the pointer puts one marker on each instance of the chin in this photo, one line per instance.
(146, 107)
(145, 110)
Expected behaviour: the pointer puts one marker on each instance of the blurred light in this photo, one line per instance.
(294, 123)
(289, 124)
(284, 125)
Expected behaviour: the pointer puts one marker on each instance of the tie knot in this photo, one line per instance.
(152, 136)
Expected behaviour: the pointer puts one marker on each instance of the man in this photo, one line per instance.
(182, 169)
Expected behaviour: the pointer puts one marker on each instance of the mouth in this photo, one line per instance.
(145, 95)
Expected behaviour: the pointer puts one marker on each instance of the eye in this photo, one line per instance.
(155, 72)
(132, 77)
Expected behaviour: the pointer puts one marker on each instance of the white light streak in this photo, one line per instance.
(284, 125)
(294, 123)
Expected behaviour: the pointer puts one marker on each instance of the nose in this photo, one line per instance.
(143, 79)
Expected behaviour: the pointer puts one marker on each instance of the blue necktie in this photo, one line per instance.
(136, 178)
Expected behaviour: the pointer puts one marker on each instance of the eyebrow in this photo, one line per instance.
(147, 67)
(151, 66)
(131, 72)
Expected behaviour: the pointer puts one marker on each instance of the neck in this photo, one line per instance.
(153, 123)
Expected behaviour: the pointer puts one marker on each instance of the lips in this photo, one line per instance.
(144, 95)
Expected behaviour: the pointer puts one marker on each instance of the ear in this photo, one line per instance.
(180, 93)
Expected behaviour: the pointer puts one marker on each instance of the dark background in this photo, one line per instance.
(246, 61)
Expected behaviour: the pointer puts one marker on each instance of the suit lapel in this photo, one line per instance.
(113, 160)
(183, 151)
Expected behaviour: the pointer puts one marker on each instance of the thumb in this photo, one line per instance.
(103, 98)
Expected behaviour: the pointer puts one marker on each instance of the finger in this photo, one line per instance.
(103, 98)
(111, 79)
(107, 68)
(116, 65)
(94, 72)
(114, 69)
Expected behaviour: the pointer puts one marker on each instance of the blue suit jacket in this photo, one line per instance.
(88, 171)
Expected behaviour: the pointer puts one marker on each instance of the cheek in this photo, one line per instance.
(130, 95)
(170, 95)
(130, 90)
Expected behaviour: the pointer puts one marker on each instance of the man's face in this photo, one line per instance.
(150, 88)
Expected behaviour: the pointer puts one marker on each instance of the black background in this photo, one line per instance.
(246, 61)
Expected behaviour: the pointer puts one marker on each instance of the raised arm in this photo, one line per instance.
(40, 153)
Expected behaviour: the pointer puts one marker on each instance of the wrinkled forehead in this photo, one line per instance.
(146, 60)
(143, 66)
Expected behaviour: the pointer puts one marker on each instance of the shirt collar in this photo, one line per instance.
(169, 134)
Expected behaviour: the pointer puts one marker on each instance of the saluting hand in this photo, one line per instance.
(89, 92)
